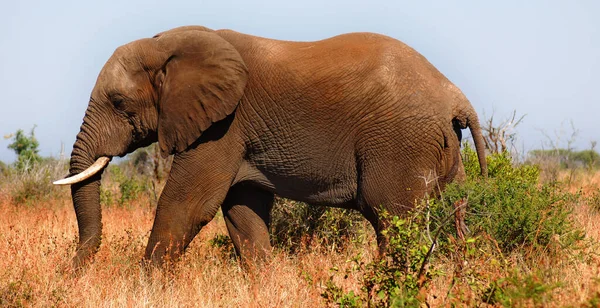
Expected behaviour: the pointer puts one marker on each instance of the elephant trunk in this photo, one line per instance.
(475, 129)
(86, 198)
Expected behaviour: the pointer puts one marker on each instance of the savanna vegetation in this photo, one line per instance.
(525, 236)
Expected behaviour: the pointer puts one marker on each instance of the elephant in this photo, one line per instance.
(359, 121)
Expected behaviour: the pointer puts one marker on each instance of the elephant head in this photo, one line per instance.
(170, 89)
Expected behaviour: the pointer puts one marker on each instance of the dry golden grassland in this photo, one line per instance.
(38, 239)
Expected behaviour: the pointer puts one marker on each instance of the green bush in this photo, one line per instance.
(295, 225)
(396, 279)
(518, 290)
(126, 185)
(107, 197)
(141, 172)
(511, 205)
(224, 244)
(35, 184)
(511, 208)
(130, 189)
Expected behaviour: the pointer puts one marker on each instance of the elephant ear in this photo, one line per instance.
(201, 82)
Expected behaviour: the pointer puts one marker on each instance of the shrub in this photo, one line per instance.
(224, 244)
(121, 185)
(295, 225)
(397, 279)
(510, 210)
(142, 172)
(107, 197)
(511, 205)
(130, 189)
(518, 290)
(35, 183)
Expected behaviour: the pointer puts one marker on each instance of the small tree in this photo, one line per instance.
(26, 148)
(499, 137)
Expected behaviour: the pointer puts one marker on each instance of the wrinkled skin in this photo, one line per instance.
(357, 121)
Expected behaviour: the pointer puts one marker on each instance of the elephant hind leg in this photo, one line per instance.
(391, 187)
(373, 216)
(247, 213)
(373, 212)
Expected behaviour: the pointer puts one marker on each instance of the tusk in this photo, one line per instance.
(85, 174)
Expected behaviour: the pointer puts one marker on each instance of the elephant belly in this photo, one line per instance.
(314, 186)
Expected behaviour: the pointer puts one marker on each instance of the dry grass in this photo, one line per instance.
(37, 242)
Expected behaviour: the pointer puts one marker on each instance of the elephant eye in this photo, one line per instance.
(117, 102)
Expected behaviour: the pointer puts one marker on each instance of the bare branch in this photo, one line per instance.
(501, 137)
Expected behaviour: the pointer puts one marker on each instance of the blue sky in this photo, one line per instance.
(540, 58)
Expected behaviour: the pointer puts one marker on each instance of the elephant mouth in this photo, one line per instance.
(98, 165)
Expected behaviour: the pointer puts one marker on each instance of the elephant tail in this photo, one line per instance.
(465, 116)
(475, 128)
(464, 113)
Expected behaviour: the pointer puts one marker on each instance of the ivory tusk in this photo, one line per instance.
(85, 174)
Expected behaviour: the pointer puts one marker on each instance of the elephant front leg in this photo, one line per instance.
(196, 188)
(247, 213)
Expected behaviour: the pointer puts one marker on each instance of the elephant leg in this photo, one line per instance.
(394, 192)
(461, 175)
(372, 214)
(247, 213)
(196, 188)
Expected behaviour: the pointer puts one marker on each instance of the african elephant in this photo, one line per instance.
(358, 121)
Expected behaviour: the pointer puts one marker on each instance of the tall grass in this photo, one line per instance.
(525, 249)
